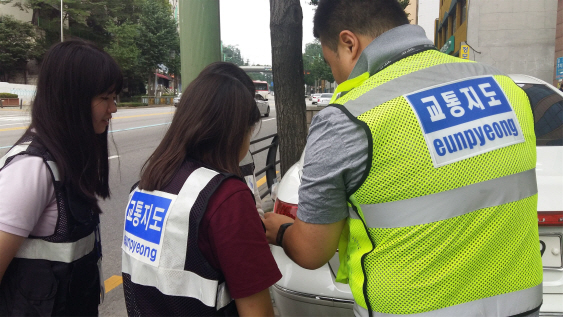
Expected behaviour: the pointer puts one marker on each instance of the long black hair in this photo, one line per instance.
(73, 72)
(212, 119)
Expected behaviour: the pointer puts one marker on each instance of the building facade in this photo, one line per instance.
(517, 37)
(412, 11)
(428, 11)
(451, 26)
(558, 72)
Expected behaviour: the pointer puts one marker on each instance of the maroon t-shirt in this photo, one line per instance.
(232, 240)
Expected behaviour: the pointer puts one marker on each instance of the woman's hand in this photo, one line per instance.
(9, 246)
(259, 304)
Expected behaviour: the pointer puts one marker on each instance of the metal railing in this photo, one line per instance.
(271, 162)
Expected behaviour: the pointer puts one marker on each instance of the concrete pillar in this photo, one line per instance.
(200, 37)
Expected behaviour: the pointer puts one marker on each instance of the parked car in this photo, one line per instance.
(177, 99)
(263, 105)
(324, 99)
(303, 292)
(315, 98)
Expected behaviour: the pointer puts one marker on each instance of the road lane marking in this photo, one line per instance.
(143, 115)
(112, 157)
(13, 129)
(112, 283)
(117, 118)
(5, 125)
(112, 131)
(135, 128)
(262, 180)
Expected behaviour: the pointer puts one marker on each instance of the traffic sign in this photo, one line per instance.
(464, 52)
(559, 71)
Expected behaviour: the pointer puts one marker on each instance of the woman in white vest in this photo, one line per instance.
(193, 243)
(247, 163)
(50, 182)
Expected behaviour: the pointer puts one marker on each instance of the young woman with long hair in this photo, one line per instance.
(193, 240)
(50, 182)
(247, 163)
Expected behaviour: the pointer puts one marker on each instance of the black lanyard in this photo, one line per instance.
(404, 54)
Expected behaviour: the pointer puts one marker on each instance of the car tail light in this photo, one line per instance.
(286, 209)
(550, 218)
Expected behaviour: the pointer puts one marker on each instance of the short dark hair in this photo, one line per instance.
(211, 121)
(72, 73)
(365, 17)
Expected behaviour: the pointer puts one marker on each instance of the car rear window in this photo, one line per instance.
(547, 106)
(326, 96)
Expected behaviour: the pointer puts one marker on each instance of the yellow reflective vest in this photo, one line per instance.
(444, 222)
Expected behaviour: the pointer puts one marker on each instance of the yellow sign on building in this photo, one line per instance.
(464, 52)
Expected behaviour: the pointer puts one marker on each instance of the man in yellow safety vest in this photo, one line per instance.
(421, 172)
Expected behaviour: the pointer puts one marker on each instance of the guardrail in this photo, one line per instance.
(11, 102)
(271, 162)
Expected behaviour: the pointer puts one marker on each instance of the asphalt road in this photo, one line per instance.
(135, 134)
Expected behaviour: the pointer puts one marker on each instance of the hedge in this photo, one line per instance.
(7, 95)
(132, 104)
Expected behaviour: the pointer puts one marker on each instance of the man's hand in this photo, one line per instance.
(272, 222)
(307, 244)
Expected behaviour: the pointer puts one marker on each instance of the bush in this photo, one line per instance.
(132, 104)
(7, 95)
(130, 99)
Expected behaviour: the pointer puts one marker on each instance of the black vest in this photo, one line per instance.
(164, 289)
(55, 275)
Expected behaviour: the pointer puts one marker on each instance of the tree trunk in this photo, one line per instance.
(286, 31)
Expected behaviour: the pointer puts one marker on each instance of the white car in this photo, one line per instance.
(303, 292)
(315, 98)
(177, 99)
(263, 105)
(324, 99)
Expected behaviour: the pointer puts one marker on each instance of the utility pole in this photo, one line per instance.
(200, 40)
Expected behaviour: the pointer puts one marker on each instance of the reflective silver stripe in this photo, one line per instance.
(54, 169)
(451, 203)
(15, 150)
(37, 249)
(22, 148)
(171, 281)
(508, 304)
(223, 296)
(353, 214)
(170, 277)
(415, 81)
(175, 238)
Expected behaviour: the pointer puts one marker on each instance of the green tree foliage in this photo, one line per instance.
(158, 39)
(314, 65)
(231, 53)
(123, 47)
(139, 34)
(17, 46)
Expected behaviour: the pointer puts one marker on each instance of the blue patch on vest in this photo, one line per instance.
(145, 216)
(465, 118)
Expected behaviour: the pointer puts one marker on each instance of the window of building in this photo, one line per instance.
(463, 14)
(446, 34)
